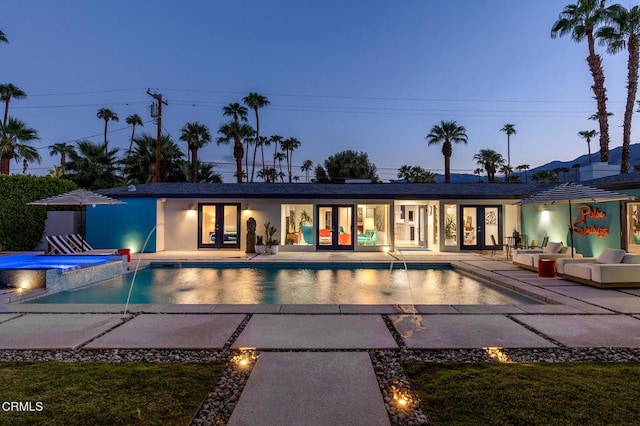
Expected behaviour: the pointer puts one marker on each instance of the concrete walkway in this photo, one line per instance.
(325, 376)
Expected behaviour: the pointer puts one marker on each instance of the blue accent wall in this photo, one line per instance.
(553, 222)
(123, 225)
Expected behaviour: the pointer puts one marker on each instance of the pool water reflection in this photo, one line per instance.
(289, 285)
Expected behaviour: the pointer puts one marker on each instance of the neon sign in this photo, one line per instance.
(580, 226)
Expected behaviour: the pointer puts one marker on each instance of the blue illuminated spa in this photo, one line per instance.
(57, 272)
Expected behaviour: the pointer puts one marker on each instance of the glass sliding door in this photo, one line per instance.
(219, 226)
(335, 227)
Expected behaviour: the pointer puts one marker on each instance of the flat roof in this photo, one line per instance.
(395, 191)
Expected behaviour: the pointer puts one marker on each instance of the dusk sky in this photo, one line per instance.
(370, 76)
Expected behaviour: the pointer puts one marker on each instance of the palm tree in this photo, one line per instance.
(415, 174)
(207, 175)
(523, 168)
(478, 171)
(623, 31)
(56, 172)
(588, 134)
(236, 132)
(545, 176)
(580, 20)
(8, 92)
(106, 115)
(248, 141)
(447, 132)
(255, 101)
(509, 129)
(140, 166)
(276, 140)
(91, 167)
(288, 146)
(490, 161)
(133, 120)
(63, 149)
(3, 37)
(15, 144)
(576, 167)
(404, 172)
(280, 156)
(196, 135)
(306, 167)
(235, 110)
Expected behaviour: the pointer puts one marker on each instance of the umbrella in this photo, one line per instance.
(568, 193)
(78, 197)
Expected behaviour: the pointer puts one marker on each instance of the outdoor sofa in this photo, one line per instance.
(528, 259)
(614, 268)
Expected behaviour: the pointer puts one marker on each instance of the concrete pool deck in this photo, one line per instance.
(313, 383)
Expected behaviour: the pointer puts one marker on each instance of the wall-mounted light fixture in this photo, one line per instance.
(163, 200)
(191, 206)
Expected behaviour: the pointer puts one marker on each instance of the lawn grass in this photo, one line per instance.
(92, 393)
(528, 394)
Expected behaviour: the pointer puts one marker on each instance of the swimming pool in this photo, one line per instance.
(293, 284)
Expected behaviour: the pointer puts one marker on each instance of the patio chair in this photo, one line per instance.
(58, 244)
(545, 241)
(496, 245)
(82, 246)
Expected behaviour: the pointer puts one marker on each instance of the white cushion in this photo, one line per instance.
(580, 270)
(610, 256)
(631, 259)
(553, 248)
(563, 249)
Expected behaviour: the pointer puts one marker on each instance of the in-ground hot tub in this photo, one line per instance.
(57, 272)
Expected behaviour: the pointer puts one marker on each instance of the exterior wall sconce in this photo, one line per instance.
(191, 206)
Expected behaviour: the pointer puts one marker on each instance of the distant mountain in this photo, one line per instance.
(615, 157)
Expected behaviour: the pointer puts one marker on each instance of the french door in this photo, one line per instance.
(481, 227)
(335, 227)
(219, 226)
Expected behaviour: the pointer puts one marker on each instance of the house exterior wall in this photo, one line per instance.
(123, 225)
(553, 221)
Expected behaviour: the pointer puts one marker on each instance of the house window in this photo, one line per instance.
(373, 225)
(297, 224)
(450, 225)
(633, 227)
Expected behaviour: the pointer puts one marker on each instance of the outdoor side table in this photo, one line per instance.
(125, 252)
(547, 268)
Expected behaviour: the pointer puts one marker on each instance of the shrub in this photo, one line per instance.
(22, 226)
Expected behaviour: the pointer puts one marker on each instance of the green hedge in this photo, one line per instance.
(22, 226)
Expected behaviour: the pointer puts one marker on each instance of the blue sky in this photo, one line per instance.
(370, 76)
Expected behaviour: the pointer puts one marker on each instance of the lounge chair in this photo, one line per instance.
(614, 268)
(82, 246)
(59, 245)
(528, 259)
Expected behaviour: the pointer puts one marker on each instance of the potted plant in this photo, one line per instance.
(271, 243)
(259, 244)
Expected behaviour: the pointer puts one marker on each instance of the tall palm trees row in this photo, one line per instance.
(490, 161)
(617, 28)
(238, 132)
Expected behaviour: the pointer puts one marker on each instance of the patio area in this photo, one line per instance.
(319, 352)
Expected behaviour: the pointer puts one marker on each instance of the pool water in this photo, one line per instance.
(292, 285)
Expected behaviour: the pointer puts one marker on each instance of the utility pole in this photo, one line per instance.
(158, 97)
